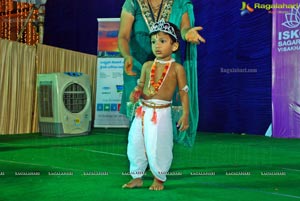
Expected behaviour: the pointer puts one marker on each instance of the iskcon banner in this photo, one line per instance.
(286, 69)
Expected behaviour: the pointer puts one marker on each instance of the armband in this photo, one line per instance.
(137, 88)
(139, 82)
(185, 89)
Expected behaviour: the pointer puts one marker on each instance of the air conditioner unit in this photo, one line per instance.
(64, 104)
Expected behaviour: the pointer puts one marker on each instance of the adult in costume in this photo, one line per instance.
(136, 19)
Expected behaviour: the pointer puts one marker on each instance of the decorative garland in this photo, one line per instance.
(155, 86)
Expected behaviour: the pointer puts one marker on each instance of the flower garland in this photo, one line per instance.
(157, 85)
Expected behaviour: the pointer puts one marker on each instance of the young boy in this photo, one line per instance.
(150, 139)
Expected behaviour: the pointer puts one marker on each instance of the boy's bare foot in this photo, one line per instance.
(157, 185)
(134, 183)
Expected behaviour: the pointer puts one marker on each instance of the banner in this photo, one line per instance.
(109, 76)
(108, 30)
(286, 69)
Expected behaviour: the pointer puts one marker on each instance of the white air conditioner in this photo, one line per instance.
(64, 104)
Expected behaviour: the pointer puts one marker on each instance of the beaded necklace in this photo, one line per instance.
(155, 13)
(153, 86)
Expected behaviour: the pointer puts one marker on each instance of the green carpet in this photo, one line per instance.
(94, 167)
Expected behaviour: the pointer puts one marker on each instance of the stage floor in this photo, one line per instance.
(94, 167)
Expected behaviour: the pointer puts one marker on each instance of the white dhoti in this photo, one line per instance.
(151, 142)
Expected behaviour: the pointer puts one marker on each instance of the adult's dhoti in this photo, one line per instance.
(150, 140)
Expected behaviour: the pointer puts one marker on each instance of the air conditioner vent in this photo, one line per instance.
(45, 94)
(75, 98)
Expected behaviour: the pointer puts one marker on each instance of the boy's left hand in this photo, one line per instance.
(183, 123)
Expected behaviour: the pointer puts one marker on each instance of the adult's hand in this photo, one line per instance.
(193, 36)
(128, 63)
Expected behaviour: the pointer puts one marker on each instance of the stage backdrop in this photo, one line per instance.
(234, 70)
(286, 70)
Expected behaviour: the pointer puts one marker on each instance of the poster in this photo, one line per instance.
(286, 70)
(108, 30)
(109, 77)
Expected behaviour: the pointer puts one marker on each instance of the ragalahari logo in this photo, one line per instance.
(246, 9)
(292, 19)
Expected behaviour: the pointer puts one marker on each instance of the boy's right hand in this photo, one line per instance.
(135, 95)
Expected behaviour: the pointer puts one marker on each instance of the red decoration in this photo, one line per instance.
(156, 85)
